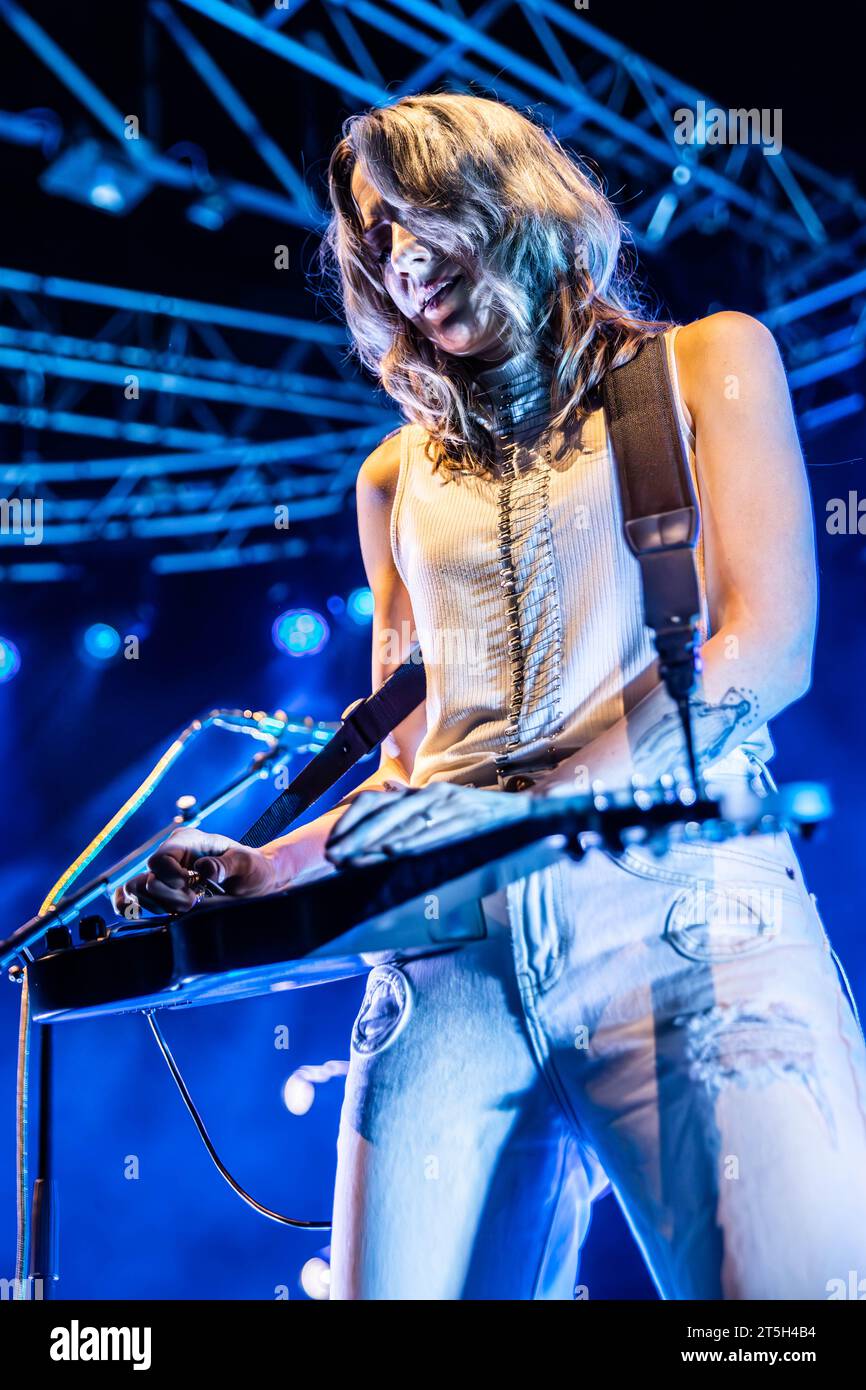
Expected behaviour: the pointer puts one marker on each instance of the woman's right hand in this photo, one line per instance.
(165, 887)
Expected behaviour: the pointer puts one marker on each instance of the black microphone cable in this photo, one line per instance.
(208, 1143)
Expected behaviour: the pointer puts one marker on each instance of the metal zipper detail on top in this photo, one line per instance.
(514, 401)
(508, 582)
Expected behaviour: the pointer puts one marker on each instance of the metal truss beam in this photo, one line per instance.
(207, 453)
(187, 310)
(620, 105)
(133, 359)
(312, 450)
(238, 109)
(299, 55)
(158, 167)
(161, 391)
(212, 478)
(179, 383)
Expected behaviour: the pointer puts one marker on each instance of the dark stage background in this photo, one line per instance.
(172, 556)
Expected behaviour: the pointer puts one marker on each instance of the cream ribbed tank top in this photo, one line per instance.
(527, 600)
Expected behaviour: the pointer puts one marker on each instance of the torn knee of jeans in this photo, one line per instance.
(752, 1045)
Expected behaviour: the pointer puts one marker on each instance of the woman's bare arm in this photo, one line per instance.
(393, 631)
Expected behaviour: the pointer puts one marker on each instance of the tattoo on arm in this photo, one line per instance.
(717, 729)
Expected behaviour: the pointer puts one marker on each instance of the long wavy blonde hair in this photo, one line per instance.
(495, 193)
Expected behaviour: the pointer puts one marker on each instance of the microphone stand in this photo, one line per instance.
(44, 1265)
(69, 907)
(41, 1272)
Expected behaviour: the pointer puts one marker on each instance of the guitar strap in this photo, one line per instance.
(661, 524)
(366, 724)
(660, 510)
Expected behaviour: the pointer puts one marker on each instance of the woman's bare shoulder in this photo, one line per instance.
(711, 351)
(377, 477)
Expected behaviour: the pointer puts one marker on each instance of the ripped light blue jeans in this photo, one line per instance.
(672, 1028)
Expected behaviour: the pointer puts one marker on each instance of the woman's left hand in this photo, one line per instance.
(379, 825)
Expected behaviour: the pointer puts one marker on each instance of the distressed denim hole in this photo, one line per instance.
(709, 922)
(753, 1044)
(384, 1011)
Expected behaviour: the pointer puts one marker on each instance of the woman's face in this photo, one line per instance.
(450, 308)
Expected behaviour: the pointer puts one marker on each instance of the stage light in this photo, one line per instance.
(210, 213)
(95, 174)
(361, 605)
(298, 1095)
(316, 1278)
(661, 218)
(101, 642)
(299, 1090)
(336, 605)
(106, 195)
(810, 801)
(10, 659)
(300, 632)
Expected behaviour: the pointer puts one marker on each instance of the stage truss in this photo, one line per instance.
(190, 426)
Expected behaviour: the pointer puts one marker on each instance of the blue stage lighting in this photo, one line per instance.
(300, 632)
(316, 1278)
(361, 605)
(10, 659)
(298, 1094)
(101, 642)
(100, 176)
(210, 213)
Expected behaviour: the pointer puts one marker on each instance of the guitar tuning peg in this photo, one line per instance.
(600, 798)
(666, 787)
